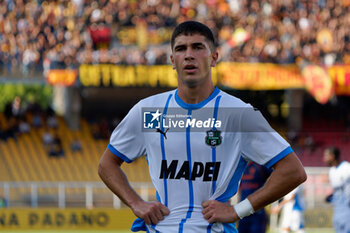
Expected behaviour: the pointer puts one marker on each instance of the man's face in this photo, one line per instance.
(328, 158)
(192, 58)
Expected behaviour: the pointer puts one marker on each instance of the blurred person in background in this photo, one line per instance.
(75, 145)
(292, 209)
(339, 178)
(3, 202)
(254, 177)
(56, 149)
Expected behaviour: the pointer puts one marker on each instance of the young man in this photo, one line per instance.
(198, 140)
(339, 178)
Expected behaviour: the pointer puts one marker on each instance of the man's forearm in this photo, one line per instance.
(112, 175)
(115, 179)
(288, 174)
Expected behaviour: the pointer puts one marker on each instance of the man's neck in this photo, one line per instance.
(195, 95)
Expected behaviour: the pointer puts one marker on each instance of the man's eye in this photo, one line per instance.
(180, 49)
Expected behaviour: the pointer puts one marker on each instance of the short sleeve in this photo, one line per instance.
(259, 142)
(127, 141)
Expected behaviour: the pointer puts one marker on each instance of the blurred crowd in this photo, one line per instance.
(37, 35)
(20, 118)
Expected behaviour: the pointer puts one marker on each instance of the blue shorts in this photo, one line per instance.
(255, 223)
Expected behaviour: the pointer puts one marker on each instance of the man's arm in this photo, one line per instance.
(288, 174)
(112, 175)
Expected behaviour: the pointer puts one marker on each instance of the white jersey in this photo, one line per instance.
(195, 152)
(293, 211)
(339, 178)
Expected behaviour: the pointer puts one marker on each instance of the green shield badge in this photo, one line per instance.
(213, 138)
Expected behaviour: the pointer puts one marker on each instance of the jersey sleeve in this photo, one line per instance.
(259, 142)
(127, 141)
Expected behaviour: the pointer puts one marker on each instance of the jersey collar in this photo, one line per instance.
(184, 105)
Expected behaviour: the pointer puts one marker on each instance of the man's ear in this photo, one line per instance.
(215, 57)
(172, 61)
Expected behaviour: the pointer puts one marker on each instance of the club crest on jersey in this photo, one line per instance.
(213, 138)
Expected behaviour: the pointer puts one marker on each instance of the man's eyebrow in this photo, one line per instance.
(193, 44)
(179, 46)
(198, 44)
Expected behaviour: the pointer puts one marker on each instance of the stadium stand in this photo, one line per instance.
(24, 158)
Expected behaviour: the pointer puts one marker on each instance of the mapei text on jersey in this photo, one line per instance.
(207, 172)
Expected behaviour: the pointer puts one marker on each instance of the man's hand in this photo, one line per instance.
(150, 212)
(215, 211)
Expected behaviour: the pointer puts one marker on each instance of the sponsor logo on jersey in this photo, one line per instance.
(208, 171)
(213, 138)
(157, 120)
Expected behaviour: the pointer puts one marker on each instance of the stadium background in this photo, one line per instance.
(70, 70)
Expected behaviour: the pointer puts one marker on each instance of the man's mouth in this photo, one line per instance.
(190, 68)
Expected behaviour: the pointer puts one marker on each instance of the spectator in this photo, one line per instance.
(24, 127)
(56, 149)
(37, 121)
(75, 145)
(3, 202)
(16, 107)
(52, 121)
(47, 140)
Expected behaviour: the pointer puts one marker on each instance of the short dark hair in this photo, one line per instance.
(190, 28)
(334, 151)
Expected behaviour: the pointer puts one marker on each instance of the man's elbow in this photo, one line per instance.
(301, 176)
(102, 166)
(100, 169)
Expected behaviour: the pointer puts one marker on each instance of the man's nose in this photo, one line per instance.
(189, 54)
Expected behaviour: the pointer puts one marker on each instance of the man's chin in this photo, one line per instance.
(192, 83)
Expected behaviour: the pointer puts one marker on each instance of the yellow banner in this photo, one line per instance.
(233, 75)
(126, 76)
(244, 76)
(65, 219)
(256, 76)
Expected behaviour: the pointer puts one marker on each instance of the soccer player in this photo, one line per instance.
(198, 141)
(292, 206)
(254, 177)
(339, 178)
